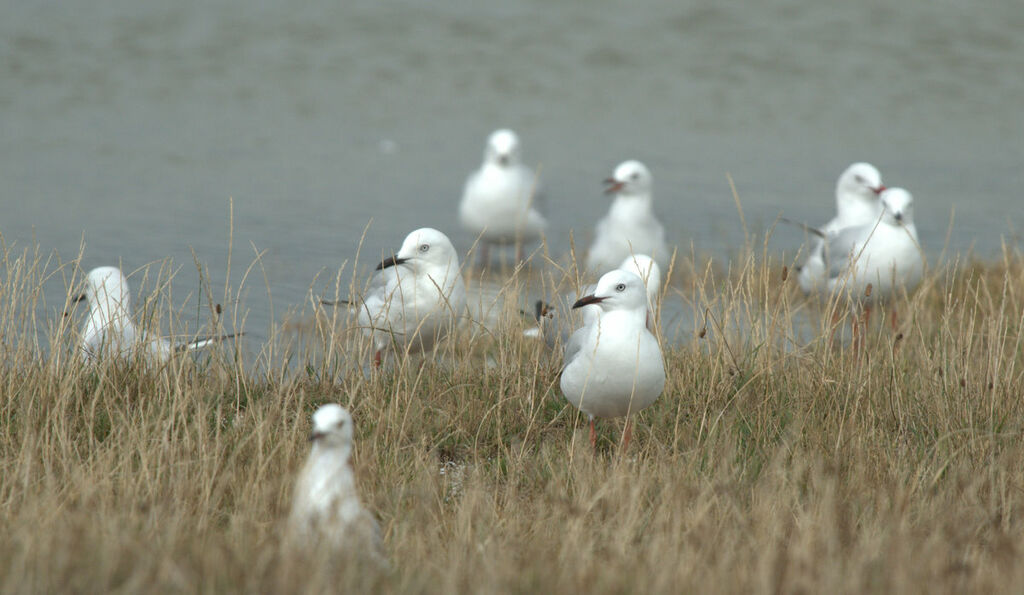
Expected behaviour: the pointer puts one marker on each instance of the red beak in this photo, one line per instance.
(614, 186)
(880, 189)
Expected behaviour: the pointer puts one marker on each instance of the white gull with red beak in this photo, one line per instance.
(325, 505)
(613, 366)
(499, 201)
(630, 227)
(857, 204)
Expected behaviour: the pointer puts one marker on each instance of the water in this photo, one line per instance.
(131, 124)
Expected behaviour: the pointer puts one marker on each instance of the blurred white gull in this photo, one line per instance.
(884, 253)
(499, 200)
(857, 203)
(109, 329)
(613, 366)
(325, 505)
(630, 226)
(417, 297)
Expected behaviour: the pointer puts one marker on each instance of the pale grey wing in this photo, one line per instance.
(839, 250)
(574, 346)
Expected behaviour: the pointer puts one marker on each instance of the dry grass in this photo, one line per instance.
(773, 462)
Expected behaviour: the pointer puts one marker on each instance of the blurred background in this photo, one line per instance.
(130, 126)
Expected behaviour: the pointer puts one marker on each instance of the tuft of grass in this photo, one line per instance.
(776, 460)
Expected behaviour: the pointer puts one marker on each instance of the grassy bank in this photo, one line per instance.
(771, 463)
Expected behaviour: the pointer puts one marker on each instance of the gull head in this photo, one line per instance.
(617, 290)
(898, 206)
(861, 180)
(106, 291)
(424, 248)
(502, 148)
(332, 427)
(645, 268)
(629, 179)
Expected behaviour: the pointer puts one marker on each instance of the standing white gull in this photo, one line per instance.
(613, 366)
(109, 329)
(630, 227)
(499, 200)
(325, 505)
(857, 204)
(417, 297)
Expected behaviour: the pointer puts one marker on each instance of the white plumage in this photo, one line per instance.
(109, 329)
(417, 297)
(325, 505)
(630, 227)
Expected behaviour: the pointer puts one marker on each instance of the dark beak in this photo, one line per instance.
(503, 160)
(313, 437)
(613, 186)
(880, 189)
(75, 300)
(587, 300)
(898, 217)
(391, 262)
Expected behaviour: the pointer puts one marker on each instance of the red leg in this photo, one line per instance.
(376, 359)
(593, 435)
(894, 320)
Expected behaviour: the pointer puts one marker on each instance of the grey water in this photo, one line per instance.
(131, 126)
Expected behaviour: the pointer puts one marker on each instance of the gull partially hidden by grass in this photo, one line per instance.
(325, 505)
(109, 329)
(613, 364)
(857, 192)
(416, 298)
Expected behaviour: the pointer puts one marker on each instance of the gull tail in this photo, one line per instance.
(200, 342)
(804, 226)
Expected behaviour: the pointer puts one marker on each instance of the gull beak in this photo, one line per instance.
(587, 300)
(314, 436)
(75, 300)
(391, 262)
(879, 190)
(613, 186)
(899, 218)
(503, 160)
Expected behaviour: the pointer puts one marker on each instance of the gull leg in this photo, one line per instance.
(593, 434)
(376, 359)
(894, 320)
(627, 435)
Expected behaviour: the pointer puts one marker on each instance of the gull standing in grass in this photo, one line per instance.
(417, 297)
(109, 329)
(857, 192)
(325, 504)
(499, 200)
(884, 254)
(613, 366)
(630, 226)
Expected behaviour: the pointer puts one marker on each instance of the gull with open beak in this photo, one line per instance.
(857, 192)
(613, 365)
(630, 227)
(325, 505)
(109, 329)
(499, 202)
(417, 297)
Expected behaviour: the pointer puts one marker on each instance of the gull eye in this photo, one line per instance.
(424, 247)
(635, 176)
(859, 179)
(620, 287)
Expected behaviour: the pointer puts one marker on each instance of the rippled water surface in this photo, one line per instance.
(131, 125)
